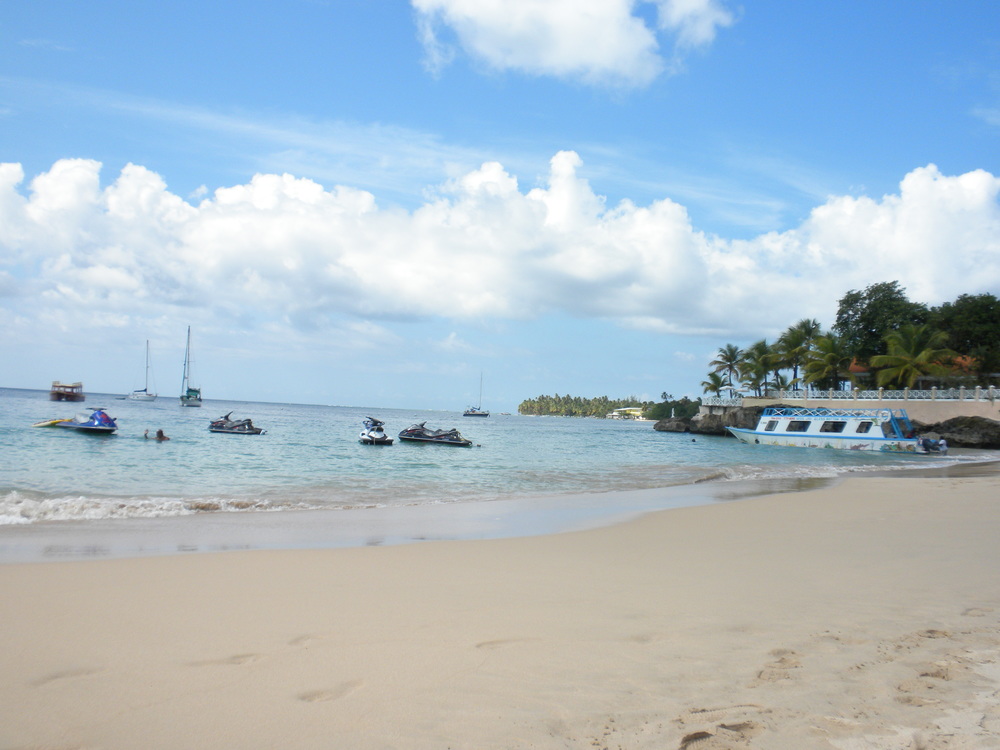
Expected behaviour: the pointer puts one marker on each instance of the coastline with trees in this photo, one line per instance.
(879, 339)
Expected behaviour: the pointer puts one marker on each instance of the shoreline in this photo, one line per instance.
(863, 613)
(526, 516)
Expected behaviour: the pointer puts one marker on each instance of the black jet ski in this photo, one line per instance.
(373, 434)
(234, 426)
(420, 433)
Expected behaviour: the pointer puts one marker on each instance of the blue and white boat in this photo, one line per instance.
(96, 423)
(886, 430)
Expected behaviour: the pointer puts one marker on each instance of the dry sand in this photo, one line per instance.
(866, 615)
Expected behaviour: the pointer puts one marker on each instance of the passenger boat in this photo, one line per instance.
(374, 434)
(886, 430)
(143, 394)
(189, 396)
(96, 423)
(66, 391)
(420, 433)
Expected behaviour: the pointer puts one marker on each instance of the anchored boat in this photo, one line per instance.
(374, 434)
(143, 394)
(189, 396)
(420, 433)
(234, 426)
(887, 430)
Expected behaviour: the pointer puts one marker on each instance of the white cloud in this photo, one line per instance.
(596, 41)
(284, 254)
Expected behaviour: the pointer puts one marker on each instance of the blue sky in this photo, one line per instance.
(371, 203)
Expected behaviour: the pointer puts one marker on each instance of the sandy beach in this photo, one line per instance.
(863, 615)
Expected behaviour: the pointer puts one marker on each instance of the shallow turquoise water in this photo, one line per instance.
(310, 458)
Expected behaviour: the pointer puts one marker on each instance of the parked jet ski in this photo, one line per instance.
(234, 426)
(420, 433)
(97, 423)
(373, 434)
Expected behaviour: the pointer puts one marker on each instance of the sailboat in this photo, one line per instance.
(189, 396)
(143, 394)
(477, 411)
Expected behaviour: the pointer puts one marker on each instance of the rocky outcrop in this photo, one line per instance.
(968, 432)
(713, 424)
(673, 424)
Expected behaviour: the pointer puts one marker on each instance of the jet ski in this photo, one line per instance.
(234, 426)
(373, 434)
(97, 423)
(420, 433)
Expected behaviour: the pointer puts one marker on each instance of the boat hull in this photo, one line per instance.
(847, 442)
(368, 440)
(437, 441)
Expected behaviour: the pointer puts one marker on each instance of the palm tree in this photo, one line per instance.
(728, 361)
(714, 384)
(915, 351)
(756, 365)
(828, 362)
(795, 344)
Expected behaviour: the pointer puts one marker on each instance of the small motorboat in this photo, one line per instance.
(234, 426)
(373, 434)
(97, 423)
(420, 433)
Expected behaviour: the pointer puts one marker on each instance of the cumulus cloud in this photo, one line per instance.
(596, 41)
(287, 253)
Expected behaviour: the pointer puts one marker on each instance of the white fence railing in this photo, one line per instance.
(990, 393)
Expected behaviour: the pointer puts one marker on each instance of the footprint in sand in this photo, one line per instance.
(322, 696)
(234, 660)
(723, 728)
(503, 642)
(783, 667)
(67, 674)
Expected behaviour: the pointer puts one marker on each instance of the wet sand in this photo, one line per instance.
(862, 614)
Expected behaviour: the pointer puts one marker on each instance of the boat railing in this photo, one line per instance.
(826, 412)
(978, 393)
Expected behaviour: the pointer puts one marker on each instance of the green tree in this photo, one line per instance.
(760, 365)
(829, 363)
(796, 343)
(714, 384)
(973, 326)
(915, 351)
(728, 361)
(864, 318)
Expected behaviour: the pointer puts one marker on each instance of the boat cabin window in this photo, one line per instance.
(833, 427)
(797, 425)
(769, 427)
(863, 427)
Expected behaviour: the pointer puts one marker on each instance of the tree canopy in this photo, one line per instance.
(863, 318)
(881, 338)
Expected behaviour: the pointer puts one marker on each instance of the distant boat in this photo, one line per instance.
(477, 411)
(143, 394)
(66, 391)
(189, 396)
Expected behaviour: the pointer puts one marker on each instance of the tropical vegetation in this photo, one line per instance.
(879, 338)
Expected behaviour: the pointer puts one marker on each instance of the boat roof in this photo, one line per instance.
(802, 411)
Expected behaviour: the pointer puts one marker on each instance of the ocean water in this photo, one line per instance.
(310, 459)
